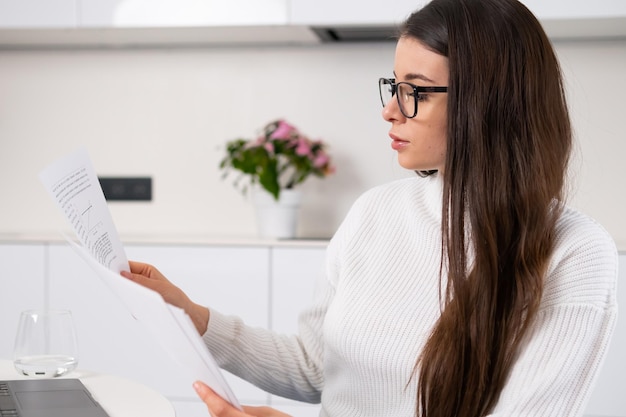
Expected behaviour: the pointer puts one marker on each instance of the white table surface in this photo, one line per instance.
(120, 397)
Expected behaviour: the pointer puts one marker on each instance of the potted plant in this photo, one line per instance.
(280, 158)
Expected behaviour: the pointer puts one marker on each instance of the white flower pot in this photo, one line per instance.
(277, 219)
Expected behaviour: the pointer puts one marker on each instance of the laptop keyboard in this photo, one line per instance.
(7, 406)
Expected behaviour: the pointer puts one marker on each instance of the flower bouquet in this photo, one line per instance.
(280, 158)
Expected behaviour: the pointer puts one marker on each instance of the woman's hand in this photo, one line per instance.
(218, 407)
(150, 277)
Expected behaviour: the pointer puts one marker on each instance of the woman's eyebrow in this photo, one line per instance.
(415, 76)
(418, 76)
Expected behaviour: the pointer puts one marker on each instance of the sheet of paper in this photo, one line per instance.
(74, 187)
(170, 326)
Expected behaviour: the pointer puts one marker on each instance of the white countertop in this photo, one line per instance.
(172, 240)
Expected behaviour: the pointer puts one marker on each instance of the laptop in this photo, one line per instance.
(47, 398)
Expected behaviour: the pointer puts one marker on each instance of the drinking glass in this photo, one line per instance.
(45, 343)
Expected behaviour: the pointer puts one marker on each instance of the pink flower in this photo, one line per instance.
(303, 148)
(269, 147)
(283, 131)
(321, 160)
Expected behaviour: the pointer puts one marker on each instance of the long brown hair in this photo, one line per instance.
(508, 146)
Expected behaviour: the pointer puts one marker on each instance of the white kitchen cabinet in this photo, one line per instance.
(580, 19)
(351, 12)
(181, 13)
(22, 287)
(24, 14)
(355, 12)
(38, 13)
(295, 272)
(576, 9)
(235, 22)
(138, 23)
(561, 18)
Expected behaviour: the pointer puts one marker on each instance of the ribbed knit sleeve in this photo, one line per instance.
(279, 364)
(555, 372)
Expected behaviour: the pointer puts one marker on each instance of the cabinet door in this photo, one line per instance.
(351, 12)
(295, 272)
(38, 13)
(233, 280)
(560, 18)
(182, 13)
(576, 9)
(21, 288)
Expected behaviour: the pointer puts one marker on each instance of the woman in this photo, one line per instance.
(469, 290)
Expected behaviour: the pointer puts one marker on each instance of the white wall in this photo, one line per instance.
(166, 113)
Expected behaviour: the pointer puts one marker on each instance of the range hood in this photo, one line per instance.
(356, 33)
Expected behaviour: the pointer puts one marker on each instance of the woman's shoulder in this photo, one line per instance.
(578, 231)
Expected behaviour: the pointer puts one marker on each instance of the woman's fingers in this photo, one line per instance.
(218, 407)
(148, 276)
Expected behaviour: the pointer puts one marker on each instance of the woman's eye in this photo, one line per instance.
(422, 97)
(408, 96)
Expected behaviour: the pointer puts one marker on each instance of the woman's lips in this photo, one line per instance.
(398, 144)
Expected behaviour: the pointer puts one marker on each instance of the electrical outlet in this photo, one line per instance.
(126, 188)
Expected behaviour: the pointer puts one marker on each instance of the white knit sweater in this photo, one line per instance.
(376, 305)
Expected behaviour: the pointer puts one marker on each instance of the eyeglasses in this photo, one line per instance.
(407, 94)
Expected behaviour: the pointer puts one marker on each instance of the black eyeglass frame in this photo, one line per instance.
(416, 90)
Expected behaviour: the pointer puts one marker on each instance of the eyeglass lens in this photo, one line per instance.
(407, 99)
